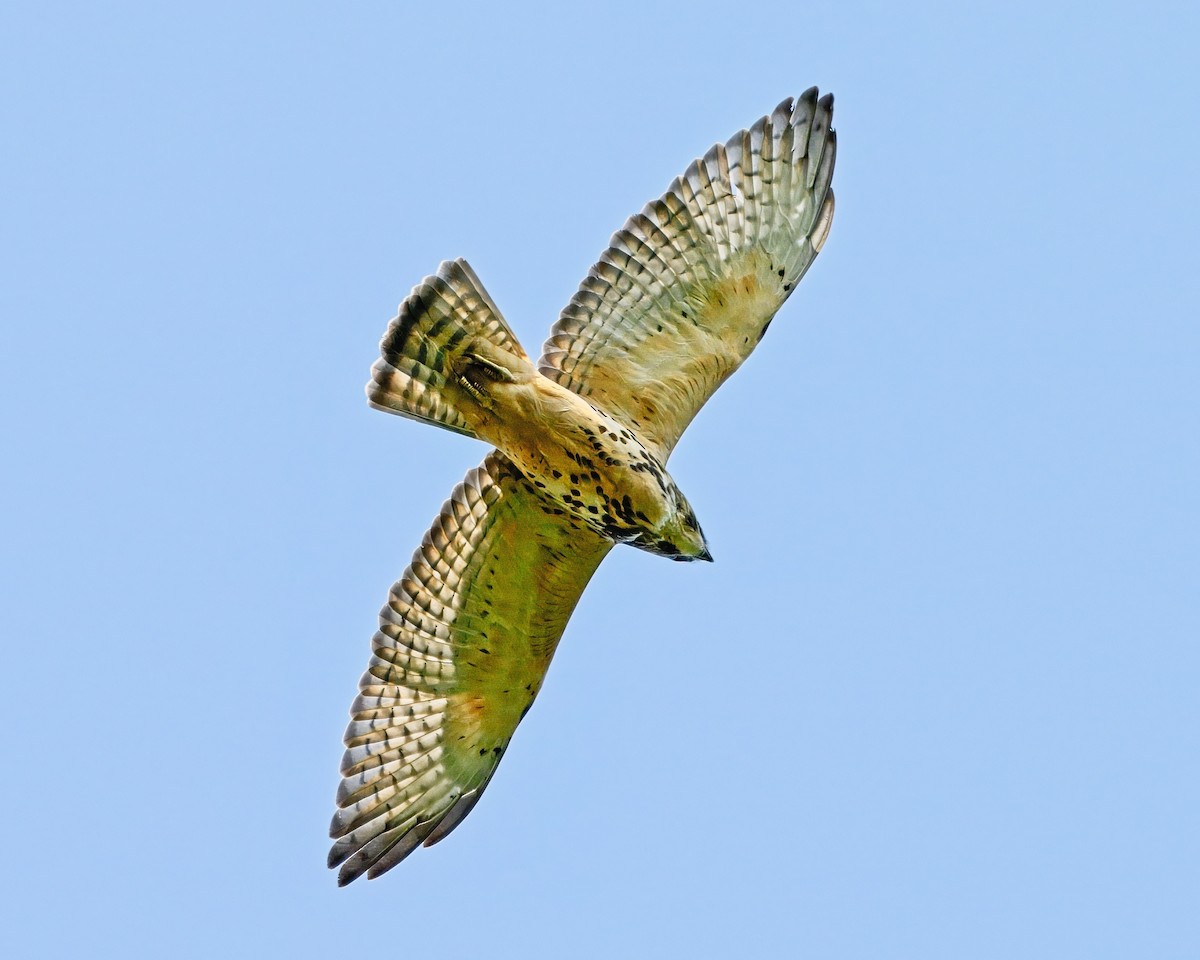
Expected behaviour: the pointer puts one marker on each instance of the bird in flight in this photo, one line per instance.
(682, 295)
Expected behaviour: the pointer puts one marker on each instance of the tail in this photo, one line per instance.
(446, 344)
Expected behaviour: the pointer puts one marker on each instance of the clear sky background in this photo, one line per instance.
(938, 696)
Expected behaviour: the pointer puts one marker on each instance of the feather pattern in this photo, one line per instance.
(463, 644)
(444, 320)
(687, 287)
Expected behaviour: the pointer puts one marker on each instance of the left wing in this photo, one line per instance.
(686, 289)
(463, 645)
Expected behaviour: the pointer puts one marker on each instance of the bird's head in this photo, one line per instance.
(679, 536)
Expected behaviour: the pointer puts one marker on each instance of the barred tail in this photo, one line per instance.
(447, 342)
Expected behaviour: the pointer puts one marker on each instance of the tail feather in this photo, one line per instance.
(446, 342)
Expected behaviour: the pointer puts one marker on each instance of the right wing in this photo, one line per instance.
(463, 645)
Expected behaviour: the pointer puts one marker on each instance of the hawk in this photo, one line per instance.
(680, 298)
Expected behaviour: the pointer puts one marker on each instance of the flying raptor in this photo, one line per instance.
(680, 298)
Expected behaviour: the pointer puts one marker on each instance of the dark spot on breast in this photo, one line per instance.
(781, 272)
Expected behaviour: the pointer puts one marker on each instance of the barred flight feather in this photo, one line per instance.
(431, 723)
(687, 287)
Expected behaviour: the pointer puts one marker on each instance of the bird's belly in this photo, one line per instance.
(587, 465)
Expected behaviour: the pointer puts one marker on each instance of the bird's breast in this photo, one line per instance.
(582, 462)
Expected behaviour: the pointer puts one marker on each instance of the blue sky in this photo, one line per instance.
(936, 698)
